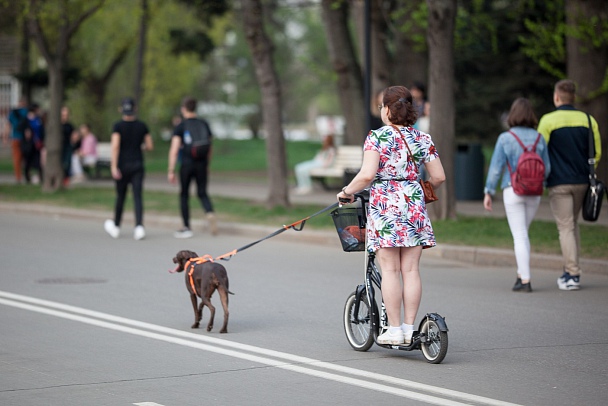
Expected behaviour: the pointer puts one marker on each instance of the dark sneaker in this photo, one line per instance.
(569, 282)
(522, 287)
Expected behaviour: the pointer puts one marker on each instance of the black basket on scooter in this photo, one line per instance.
(350, 224)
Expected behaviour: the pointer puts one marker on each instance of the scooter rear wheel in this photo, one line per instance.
(435, 346)
(358, 327)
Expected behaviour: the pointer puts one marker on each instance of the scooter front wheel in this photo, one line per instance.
(358, 327)
(435, 344)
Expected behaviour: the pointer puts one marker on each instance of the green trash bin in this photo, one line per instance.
(469, 172)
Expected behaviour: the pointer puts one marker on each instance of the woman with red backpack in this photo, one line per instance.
(521, 158)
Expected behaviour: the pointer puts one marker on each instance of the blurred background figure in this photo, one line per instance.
(323, 159)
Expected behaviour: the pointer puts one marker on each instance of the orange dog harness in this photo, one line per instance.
(191, 263)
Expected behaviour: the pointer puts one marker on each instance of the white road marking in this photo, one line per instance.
(77, 314)
(147, 404)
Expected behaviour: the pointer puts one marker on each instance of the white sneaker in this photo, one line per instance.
(303, 191)
(408, 337)
(111, 228)
(392, 338)
(407, 333)
(183, 233)
(139, 233)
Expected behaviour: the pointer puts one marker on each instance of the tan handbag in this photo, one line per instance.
(427, 188)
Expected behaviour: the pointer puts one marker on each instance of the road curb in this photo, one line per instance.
(480, 256)
(497, 257)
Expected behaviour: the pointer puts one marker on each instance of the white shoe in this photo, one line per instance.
(77, 179)
(183, 233)
(392, 338)
(303, 191)
(407, 333)
(139, 233)
(111, 228)
(408, 337)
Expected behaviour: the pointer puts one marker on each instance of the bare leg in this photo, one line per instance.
(412, 285)
(392, 289)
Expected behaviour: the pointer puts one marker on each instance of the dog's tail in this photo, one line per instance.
(224, 285)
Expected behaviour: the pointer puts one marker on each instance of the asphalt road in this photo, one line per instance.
(87, 320)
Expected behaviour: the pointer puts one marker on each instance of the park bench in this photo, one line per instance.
(347, 161)
(104, 156)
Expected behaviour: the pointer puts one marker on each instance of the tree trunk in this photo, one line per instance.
(587, 65)
(382, 63)
(261, 50)
(139, 73)
(53, 171)
(381, 58)
(344, 62)
(440, 37)
(410, 62)
(56, 59)
(24, 63)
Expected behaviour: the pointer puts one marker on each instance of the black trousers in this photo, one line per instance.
(133, 175)
(198, 171)
(31, 161)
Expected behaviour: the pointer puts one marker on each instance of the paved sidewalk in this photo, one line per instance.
(258, 191)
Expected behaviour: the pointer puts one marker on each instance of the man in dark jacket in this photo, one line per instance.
(566, 131)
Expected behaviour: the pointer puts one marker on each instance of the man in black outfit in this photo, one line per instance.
(67, 148)
(193, 137)
(130, 137)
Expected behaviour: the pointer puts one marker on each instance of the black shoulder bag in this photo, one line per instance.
(595, 192)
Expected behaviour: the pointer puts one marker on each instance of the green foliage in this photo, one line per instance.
(415, 25)
(167, 77)
(491, 70)
(545, 41)
(196, 42)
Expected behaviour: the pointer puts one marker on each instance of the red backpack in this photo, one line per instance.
(529, 175)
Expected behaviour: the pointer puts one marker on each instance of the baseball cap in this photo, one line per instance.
(128, 106)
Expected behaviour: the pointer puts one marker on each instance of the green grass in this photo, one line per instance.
(474, 231)
(494, 232)
(242, 157)
(247, 159)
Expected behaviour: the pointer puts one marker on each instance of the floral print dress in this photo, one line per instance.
(397, 215)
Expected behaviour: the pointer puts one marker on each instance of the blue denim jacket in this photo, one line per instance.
(507, 148)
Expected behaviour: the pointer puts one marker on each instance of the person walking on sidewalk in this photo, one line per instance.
(130, 137)
(566, 131)
(193, 137)
(16, 117)
(520, 209)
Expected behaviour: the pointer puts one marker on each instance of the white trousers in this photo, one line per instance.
(520, 212)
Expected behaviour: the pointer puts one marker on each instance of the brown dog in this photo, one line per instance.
(203, 279)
